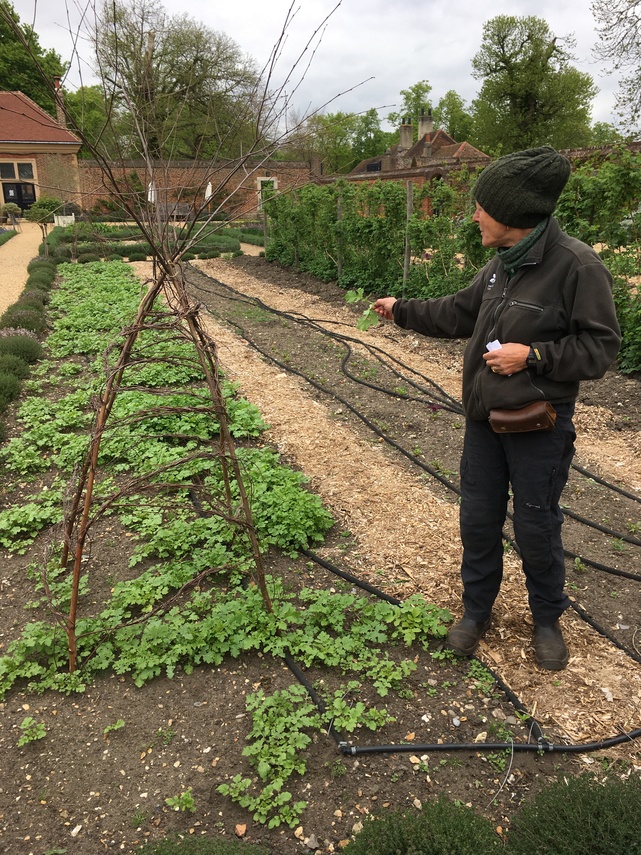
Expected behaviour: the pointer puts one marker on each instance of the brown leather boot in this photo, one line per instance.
(465, 635)
(550, 650)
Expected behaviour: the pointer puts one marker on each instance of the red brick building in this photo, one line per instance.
(38, 155)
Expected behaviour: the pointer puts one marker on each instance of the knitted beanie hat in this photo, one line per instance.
(522, 188)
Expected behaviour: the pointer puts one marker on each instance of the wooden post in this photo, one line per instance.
(408, 248)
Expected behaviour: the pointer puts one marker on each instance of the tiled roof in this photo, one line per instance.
(22, 120)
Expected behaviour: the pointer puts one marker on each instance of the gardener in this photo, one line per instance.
(539, 317)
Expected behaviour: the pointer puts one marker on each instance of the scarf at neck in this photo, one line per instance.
(512, 257)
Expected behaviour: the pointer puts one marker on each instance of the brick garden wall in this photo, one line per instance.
(185, 182)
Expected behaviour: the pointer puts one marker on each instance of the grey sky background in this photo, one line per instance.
(374, 48)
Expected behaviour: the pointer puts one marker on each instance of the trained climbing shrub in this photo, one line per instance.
(579, 816)
(440, 828)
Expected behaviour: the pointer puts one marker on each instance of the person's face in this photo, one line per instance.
(493, 233)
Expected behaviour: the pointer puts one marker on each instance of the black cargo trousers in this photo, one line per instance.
(536, 466)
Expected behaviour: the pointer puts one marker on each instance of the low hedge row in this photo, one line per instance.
(19, 325)
(576, 816)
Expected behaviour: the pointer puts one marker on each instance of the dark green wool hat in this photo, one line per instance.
(521, 189)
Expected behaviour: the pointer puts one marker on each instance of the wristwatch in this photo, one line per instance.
(533, 358)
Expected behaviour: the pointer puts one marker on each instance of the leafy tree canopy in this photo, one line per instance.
(19, 65)
(453, 117)
(415, 102)
(530, 93)
(189, 91)
(619, 24)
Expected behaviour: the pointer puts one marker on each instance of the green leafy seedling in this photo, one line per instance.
(111, 728)
(183, 802)
(32, 731)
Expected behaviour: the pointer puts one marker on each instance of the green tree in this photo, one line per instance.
(97, 118)
(603, 133)
(19, 65)
(452, 116)
(189, 91)
(530, 95)
(415, 101)
(331, 137)
(369, 140)
(619, 25)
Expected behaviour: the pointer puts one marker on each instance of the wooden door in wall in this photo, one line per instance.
(22, 194)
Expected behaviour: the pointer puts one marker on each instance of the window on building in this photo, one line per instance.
(25, 171)
(17, 183)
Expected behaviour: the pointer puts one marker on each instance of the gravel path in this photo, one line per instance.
(14, 257)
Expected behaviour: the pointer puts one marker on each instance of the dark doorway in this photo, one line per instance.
(24, 195)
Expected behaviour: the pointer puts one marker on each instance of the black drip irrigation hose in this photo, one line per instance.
(444, 481)
(584, 615)
(541, 748)
(602, 528)
(613, 571)
(605, 483)
(445, 401)
(542, 745)
(352, 409)
(452, 404)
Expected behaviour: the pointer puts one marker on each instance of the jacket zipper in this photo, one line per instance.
(529, 306)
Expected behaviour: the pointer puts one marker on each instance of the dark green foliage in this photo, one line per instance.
(600, 203)
(5, 235)
(10, 364)
(4, 432)
(35, 292)
(24, 346)
(441, 828)
(16, 317)
(39, 264)
(88, 257)
(9, 388)
(31, 300)
(628, 305)
(43, 279)
(137, 256)
(580, 816)
(60, 254)
(92, 247)
(365, 226)
(203, 846)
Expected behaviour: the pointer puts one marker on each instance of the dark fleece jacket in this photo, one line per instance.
(559, 302)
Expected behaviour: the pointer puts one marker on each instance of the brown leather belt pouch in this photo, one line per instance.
(540, 415)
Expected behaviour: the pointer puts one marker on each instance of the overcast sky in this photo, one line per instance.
(374, 48)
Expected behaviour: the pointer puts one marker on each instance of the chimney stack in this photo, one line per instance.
(425, 124)
(60, 113)
(406, 136)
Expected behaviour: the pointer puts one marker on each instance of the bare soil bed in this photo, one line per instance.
(372, 419)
